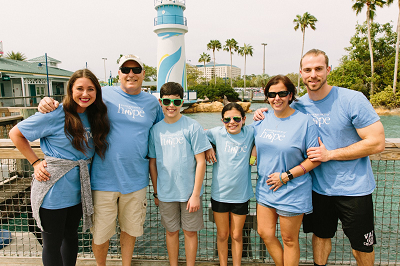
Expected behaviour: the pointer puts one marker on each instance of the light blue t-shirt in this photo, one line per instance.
(174, 147)
(125, 168)
(338, 116)
(231, 179)
(49, 127)
(282, 144)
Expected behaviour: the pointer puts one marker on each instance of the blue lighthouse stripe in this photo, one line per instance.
(167, 35)
(166, 67)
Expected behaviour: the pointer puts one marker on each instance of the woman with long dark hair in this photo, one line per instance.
(69, 137)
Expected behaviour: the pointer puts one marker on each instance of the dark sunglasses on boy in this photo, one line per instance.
(127, 70)
(281, 94)
(237, 119)
(167, 101)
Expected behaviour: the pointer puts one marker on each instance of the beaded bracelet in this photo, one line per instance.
(280, 178)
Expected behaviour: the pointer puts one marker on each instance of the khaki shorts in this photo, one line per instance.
(175, 216)
(130, 208)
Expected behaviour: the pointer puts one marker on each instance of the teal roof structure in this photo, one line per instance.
(42, 59)
(24, 67)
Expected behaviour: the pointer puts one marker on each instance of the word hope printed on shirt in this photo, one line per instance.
(321, 119)
(131, 111)
(234, 148)
(172, 139)
(273, 135)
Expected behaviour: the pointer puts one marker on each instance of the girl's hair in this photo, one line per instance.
(231, 106)
(97, 116)
(286, 81)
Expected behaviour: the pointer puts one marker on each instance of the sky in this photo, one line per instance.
(85, 31)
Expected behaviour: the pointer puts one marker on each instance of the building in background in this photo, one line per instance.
(221, 71)
(24, 83)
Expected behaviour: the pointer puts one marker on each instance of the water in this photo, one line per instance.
(391, 123)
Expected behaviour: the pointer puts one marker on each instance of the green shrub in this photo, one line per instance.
(386, 99)
(215, 93)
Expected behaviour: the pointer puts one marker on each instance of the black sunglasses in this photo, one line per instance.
(167, 101)
(281, 94)
(228, 119)
(127, 70)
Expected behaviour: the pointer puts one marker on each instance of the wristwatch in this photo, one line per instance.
(290, 175)
(155, 195)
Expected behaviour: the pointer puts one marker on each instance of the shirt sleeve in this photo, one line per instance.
(37, 126)
(199, 139)
(152, 148)
(210, 135)
(362, 114)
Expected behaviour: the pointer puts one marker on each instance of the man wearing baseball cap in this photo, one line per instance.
(119, 182)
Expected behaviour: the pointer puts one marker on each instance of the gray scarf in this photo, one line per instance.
(57, 169)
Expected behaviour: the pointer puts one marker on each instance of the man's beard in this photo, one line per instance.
(308, 87)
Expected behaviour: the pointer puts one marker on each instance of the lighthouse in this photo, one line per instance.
(170, 26)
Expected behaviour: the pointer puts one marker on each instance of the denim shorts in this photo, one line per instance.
(280, 212)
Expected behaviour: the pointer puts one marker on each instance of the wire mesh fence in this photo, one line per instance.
(16, 219)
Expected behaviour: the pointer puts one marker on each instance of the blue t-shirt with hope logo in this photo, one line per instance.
(66, 192)
(337, 117)
(282, 144)
(231, 179)
(125, 168)
(174, 147)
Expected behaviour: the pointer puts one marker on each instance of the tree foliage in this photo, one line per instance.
(353, 71)
(215, 92)
(214, 45)
(386, 98)
(16, 56)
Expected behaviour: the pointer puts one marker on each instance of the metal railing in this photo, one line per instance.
(156, 2)
(27, 101)
(16, 217)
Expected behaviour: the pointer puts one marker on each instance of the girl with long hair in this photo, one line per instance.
(69, 137)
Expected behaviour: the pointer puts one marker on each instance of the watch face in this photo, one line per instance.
(290, 175)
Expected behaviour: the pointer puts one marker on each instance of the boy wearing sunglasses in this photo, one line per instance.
(177, 167)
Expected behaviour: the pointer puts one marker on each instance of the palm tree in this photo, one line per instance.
(396, 61)
(245, 50)
(214, 45)
(16, 56)
(230, 46)
(371, 8)
(205, 58)
(303, 22)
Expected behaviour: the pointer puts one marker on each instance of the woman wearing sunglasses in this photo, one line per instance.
(284, 184)
(231, 187)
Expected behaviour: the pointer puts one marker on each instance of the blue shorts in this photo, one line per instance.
(280, 212)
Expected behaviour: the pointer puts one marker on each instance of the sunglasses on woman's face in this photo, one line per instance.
(281, 94)
(127, 70)
(167, 101)
(237, 119)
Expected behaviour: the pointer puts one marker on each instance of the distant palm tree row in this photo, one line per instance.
(231, 46)
(303, 22)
